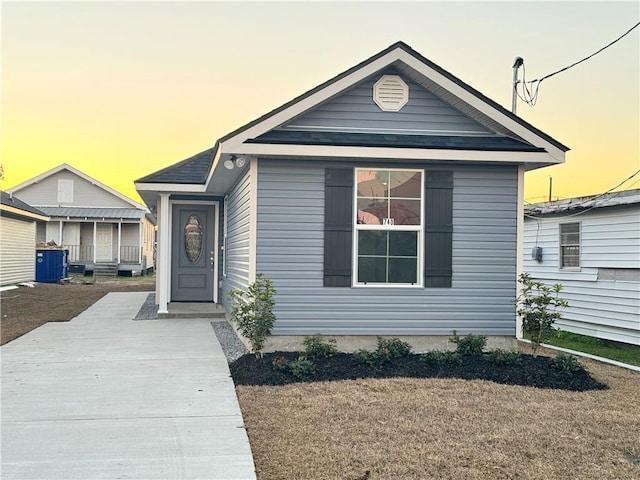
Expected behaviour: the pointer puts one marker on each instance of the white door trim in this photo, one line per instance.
(216, 219)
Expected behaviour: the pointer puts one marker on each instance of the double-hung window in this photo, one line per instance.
(388, 226)
(570, 245)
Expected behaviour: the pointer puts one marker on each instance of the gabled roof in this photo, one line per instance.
(396, 60)
(80, 174)
(590, 202)
(13, 205)
(516, 141)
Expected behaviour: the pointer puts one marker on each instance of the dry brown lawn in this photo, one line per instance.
(445, 429)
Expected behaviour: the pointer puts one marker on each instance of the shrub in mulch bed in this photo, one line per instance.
(530, 371)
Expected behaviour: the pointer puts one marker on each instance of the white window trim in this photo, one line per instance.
(413, 228)
(560, 256)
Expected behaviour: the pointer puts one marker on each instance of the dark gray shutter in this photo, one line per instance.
(338, 226)
(438, 228)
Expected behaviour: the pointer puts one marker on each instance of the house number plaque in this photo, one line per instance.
(388, 221)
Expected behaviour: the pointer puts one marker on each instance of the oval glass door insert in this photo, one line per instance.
(193, 239)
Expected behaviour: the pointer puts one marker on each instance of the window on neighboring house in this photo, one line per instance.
(570, 245)
(388, 223)
(65, 191)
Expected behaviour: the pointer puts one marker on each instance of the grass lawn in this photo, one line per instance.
(400, 428)
(615, 351)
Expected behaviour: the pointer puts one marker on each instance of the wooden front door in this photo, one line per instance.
(193, 253)
(104, 242)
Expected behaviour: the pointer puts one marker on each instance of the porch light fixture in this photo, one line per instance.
(234, 162)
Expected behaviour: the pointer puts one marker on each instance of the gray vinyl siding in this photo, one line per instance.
(423, 112)
(237, 246)
(290, 234)
(17, 251)
(604, 294)
(85, 194)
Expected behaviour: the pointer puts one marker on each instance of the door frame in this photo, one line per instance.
(216, 248)
(101, 226)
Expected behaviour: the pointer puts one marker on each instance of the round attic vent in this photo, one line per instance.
(390, 93)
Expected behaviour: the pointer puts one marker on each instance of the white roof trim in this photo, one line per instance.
(393, 153)
(66, 166)
(171, 187)
(23, 213)
(236, 144)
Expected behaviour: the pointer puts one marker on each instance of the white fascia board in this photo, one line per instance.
(24, 213)
(482, 106)
(170, 187)
(393, 153)
(232, 144)
(214, 164)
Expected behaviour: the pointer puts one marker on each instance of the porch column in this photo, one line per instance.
(140, 243)
(95, 244)
(119, 239)
(519, 243)
(164, 254)
(60, 233)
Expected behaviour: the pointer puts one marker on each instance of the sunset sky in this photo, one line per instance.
(122, 89)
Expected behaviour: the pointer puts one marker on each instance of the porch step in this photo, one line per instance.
(105, 270)
(193, 310)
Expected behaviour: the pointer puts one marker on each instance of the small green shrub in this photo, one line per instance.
(373, 359)
(539, 306)
(437, 357)
(469, 344)
(252, 311)
(504, 357)
(396, 347)
(385, 351)
(315, 346)
(302, 367)
(566, 363)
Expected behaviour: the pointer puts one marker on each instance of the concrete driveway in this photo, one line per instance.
(104, 396)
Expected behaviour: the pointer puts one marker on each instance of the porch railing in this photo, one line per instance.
(130, 254)
(80, 253)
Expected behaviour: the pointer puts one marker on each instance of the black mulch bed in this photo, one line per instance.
(531, 372)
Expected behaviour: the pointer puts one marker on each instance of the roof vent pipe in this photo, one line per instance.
(517, 63)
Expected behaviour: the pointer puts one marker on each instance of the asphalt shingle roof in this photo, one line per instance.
(15, 202)
(484, 143)
(193, 170)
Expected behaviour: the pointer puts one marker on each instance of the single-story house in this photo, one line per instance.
(18, 239)
(385, 201)
(590, 245)
(102, 228)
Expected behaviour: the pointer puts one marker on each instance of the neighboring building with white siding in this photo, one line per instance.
(385, 201)
(590, 245)
(101, 227)
(18, 240)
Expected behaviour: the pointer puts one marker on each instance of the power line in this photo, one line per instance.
(530, 97)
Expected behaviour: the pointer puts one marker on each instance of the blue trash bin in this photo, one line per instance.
(51, 265)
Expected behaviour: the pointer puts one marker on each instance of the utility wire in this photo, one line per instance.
(530, 96)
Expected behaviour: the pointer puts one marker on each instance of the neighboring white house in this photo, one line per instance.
(591, 245)
(18, 240)
(102, 228)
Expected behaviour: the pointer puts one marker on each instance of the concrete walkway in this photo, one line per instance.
(104, 396)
